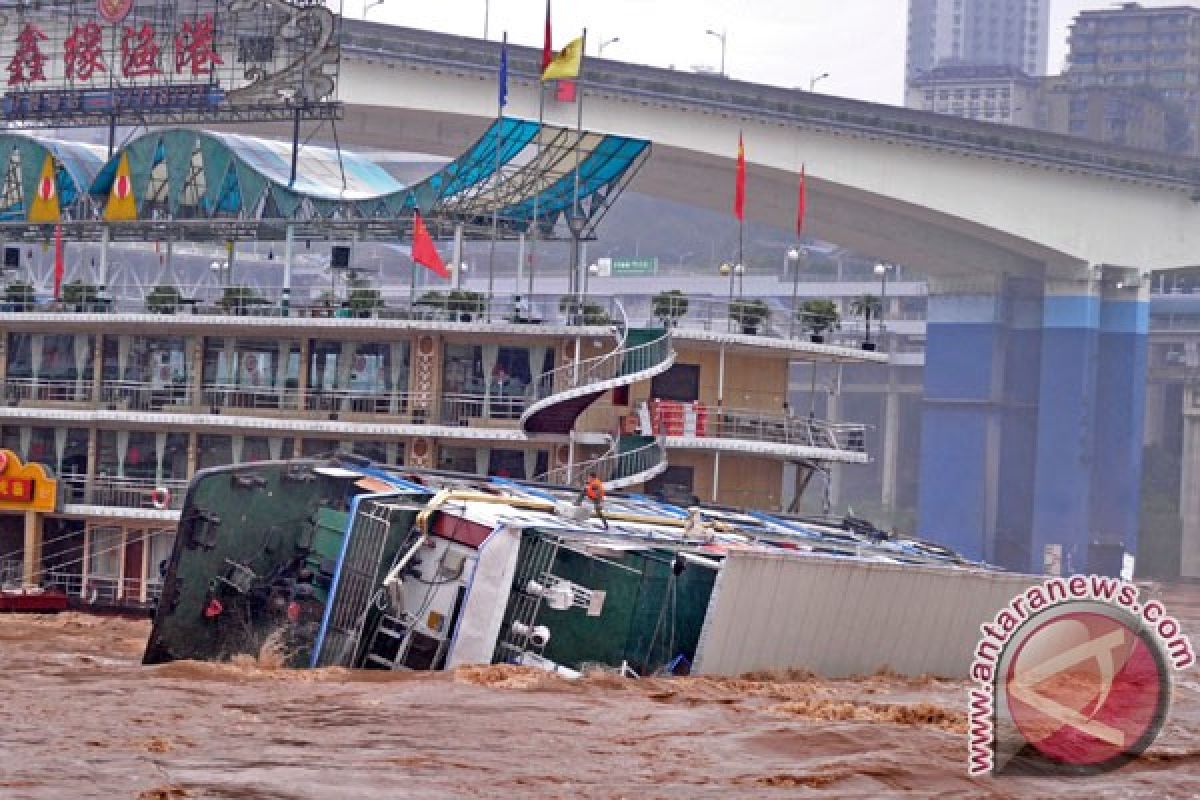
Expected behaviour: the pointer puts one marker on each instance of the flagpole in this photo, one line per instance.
(502, 90)
(576, 227)
(537, 187)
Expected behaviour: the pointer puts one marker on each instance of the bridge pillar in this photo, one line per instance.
(961, 425)
(1189, 499)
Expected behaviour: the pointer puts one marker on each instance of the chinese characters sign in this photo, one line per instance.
(26, 487)
(100, 59)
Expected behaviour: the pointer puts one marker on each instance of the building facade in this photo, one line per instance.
(999, 94)
(1143, 52)
(1011, 33)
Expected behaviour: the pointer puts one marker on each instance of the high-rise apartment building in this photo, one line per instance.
(1010, 33)
(1143, 52)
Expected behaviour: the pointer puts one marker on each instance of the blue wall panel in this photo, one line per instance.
(953, 485)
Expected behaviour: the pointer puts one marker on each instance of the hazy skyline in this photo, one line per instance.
(860, 43)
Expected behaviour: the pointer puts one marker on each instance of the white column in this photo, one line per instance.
(1189, 498)
(891, 441)
(285, 297)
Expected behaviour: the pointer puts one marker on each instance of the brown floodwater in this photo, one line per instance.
(81, 718)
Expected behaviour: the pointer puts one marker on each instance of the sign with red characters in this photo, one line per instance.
(67, 61)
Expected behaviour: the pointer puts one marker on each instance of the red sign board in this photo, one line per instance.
(16, 490)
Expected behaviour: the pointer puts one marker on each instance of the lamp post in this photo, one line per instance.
(815, 79)
(606, 43)
(458, 274)
(723, 36)
(369, 4)
(882, 270)
(793, 257)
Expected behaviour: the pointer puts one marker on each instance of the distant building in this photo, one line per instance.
(1145, 53)
(1133, 117)
(988, 93)
(1012, 33)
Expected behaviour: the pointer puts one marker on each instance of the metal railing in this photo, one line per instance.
(17, 390)
(12, 572)
(114, 492)
(464, 408)
(142, 396)
(607, 367)
(757, 426)
(614, 468)
(102, 589)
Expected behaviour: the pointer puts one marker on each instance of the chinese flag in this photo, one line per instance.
(547, 42)
(739, 187)
(58, 261)
(423, 250)
(801, 204)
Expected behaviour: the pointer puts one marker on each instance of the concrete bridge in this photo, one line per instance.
(1037, 328)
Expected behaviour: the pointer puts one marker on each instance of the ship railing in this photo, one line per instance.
(144, 395)
(615, 468)
(18, 390)
(102, 589)
(470, 408)
(118, 492)
(679, 419)
(605, 367)
(12, 572)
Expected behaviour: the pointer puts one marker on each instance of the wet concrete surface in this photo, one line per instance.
(81, 718)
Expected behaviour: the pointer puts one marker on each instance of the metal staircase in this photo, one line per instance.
(562, 394)
(630, 461)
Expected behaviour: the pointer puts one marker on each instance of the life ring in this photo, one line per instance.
(160, 498)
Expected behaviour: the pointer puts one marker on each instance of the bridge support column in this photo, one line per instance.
(1189, 499)
(959, 424)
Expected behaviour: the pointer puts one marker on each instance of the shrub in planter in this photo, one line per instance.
(749, 314)
(583, 313)
(466, 303)
(669, 306)
(819, 317)
(240, 298)
(19, 295)
(363, 301)
(163, 300)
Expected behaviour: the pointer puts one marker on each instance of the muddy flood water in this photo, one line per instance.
(80, 718)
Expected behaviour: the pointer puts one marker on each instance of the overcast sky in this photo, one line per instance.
(860, 43)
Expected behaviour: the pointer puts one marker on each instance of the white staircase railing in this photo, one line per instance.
(616, 469)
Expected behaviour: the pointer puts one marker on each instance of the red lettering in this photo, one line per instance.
(194, 46)
(139, 52)
(83, 55)
(28, 63)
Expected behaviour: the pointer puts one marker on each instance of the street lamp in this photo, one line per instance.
(369, 4)
(606, 43)
(458, 274)
(793, 257)
(723, 37)
(815, 79)
(882, 270)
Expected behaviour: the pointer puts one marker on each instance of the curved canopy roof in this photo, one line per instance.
(523, 173)
(76, 165)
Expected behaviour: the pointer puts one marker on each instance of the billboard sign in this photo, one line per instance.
(88, 62)
(635, 266)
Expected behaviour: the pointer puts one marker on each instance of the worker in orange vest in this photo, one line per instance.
(594, 490)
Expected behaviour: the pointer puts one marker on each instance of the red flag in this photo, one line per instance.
(423, 250)
(739, 187)
(565, 92)
(548, 42)
(801, 205)
(58, 262)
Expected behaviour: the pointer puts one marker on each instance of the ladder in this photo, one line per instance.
(391, 636)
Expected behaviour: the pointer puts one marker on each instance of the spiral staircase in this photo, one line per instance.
(629, 461)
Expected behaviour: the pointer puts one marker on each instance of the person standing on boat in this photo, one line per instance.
(594, 490)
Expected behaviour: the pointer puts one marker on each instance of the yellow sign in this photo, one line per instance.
(25, 487)
(44, 206)
(121, 207)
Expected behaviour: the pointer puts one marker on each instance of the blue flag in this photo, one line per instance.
(504, 75)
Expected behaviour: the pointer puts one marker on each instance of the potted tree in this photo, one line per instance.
(818, 317)
(163, 299)
(749, 314)
(364, 301)
(866, 306)
(239, 299)
(80, 296)
(19, 296)
(669, 306)
(465, 303)
(580, 312)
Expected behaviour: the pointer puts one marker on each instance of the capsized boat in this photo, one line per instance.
(341, 562)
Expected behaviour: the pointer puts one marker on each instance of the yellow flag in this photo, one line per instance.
(565, 64)
(121, 205)
(44, 207)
